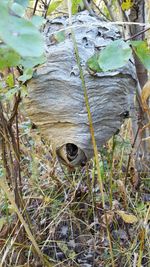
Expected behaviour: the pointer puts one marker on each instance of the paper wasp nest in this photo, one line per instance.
(56, 101)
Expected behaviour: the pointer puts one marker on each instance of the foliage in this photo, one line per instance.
(75, 6)
(9, 58)
(114, 55)
(21, 43)
(52, 7)
(142, 50)
(19, 34)
(117, 53)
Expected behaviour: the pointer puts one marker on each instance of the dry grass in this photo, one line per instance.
(64, 211)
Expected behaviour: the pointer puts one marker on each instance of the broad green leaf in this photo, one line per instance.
(27, 75)
(52, 7)
(143, 52)
(24, 3)
(126, 217)
(126, 4)
(115, 55)
(38, 21)
(30, 62)
(93, 63)
(18, 9)
(20, 34)
(8, 57)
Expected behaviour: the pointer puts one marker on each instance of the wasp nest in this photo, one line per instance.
(56, 101)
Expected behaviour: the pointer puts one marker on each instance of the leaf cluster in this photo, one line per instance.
(117, 54)
(21, 43)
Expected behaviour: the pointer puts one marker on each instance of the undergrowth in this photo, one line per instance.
(63, 207)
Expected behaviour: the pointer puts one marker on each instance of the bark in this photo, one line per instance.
(138, 15)
(142, 147)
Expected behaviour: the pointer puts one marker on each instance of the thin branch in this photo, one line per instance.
(129, 159)
(35, 6)
(126, 30)
(100, 12)
(109, 10)
(101, 23)
(88, 7)
(15, 109)
(137, 34)
(46, 9)
(122, 12)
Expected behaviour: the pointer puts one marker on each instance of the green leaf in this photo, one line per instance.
(27, 75)
(52, 7)
(10, 80)
(8, 57)
(30, 62)
(114, 55)
(93, 63)
(38, 21)
(142, 51)
(18, 9)
(20, 34)
(24, 3)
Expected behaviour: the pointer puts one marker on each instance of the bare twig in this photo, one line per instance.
(109, 9)
(88, 7)
(137, 34)
(100, 12)
(129, 159)
(35, 6)
(15, 109)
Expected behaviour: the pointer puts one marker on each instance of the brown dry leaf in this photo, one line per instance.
(109, 215)
(145, 95)
(4, 232)
(134, 176)
(2, 222)
(126, 217)
(122, 191)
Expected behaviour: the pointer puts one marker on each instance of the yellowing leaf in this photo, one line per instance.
(75, 6)
(126, 4)
(52, 7)
(122, 191)
(142, 50)
(126, 217)
(145, 95)
(47, 199)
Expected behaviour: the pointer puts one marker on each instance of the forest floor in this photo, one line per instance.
(63, 209)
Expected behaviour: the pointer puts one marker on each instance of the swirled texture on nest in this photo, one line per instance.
(56, 99)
